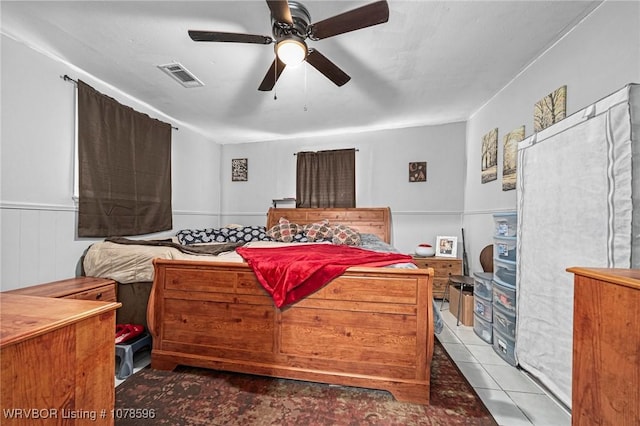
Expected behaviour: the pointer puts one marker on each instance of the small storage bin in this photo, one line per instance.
(126, 352)
(483, 308)
(504, 272)
(483, 285)
(504, 298)
(504, 321)
(483, 329)
(504, 346)
(506, 224)
(505, 248)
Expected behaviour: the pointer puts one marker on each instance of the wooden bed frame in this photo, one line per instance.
(370, 327)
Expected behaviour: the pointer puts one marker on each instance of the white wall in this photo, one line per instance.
(38, 240)
(598, 57)
(420, 210)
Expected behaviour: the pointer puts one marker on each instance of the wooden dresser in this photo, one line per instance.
(606, 347)
(85, 288)
(442, 268)
(58, 361)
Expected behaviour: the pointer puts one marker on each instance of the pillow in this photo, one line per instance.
(300, 237)
(233, 225)
(245, 233)
(320, 231)
(343, 235)
(284, 231)
(199, 236)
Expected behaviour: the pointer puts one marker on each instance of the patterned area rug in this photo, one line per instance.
(194, 396)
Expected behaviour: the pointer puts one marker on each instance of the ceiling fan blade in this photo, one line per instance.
(228, 37)
(270, 78)
(362, 17)
(280, 11)
(326, 67)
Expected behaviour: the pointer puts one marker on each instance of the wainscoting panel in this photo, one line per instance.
(9, 248)
(38, 243)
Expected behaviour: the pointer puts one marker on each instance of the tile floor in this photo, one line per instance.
(512, 397)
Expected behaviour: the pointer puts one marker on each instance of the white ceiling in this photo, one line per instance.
(433, 62)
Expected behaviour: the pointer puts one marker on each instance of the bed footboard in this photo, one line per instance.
(370, 327)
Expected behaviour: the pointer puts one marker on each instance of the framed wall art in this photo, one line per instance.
(550, 109)
(446, 246)
(510, 158)
(239, 170)
(418, 172)
(489, 158)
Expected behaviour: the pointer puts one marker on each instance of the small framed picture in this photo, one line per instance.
(447, 246)
(239, 170)
(418, 171)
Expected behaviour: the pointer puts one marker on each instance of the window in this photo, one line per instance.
(326, 179)
(124, 164)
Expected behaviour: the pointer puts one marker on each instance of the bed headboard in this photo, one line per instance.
(366, 220)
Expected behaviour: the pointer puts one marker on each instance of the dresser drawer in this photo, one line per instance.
(105, 293)
(442, 268)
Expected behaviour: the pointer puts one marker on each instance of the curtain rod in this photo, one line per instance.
(345, 149)
(67, 78)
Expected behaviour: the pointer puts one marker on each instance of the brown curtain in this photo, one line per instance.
(326, 179)
(124, 168)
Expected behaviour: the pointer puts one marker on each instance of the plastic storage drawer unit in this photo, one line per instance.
(483, 329)
(506, 224)
(504, 346)
(504, 322)
(504, 298)
(483, 285)
(504, 272)
(483, 308)
(505, 248)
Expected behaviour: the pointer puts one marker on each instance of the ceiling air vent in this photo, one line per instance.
(181, 75)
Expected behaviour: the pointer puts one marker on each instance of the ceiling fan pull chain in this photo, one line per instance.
(305, 86)
(275, 79)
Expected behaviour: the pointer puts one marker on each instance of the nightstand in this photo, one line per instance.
(84, 288)
(442, 268)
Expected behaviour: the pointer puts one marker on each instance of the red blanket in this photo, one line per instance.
(294, 272)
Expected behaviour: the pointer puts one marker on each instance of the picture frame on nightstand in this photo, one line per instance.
(446, 246)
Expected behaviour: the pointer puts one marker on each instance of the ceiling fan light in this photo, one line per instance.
(291, 51)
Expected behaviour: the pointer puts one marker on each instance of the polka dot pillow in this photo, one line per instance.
(200, 236)
(223, 235)
(245, 233)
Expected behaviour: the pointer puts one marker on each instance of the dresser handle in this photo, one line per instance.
(99, 296)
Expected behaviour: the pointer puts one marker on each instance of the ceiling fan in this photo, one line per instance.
(291, 28)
